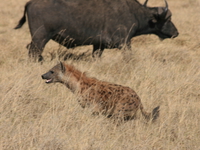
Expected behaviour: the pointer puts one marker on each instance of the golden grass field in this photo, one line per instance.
(37, 116)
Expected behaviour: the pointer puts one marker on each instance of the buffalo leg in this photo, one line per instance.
(36, 47)
(34, 52)
(97, 51)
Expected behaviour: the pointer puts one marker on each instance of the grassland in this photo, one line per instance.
(37, 116)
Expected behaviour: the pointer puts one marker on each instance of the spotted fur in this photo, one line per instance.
(115, 101)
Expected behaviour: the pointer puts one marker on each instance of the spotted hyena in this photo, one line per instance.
(115, 101)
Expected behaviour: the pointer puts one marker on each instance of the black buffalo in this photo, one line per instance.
(101, 23)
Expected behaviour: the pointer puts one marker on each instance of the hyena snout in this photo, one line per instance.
(48, 77)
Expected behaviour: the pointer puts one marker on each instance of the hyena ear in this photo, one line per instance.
(62, 67)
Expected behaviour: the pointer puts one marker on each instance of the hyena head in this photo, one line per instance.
(55, 74)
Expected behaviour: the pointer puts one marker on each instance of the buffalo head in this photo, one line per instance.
(161, 23)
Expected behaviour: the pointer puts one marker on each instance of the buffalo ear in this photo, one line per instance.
(62, 66)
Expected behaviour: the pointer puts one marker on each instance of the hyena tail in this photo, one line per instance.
(150, 116)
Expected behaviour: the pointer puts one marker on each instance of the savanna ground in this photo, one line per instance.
(37, 116)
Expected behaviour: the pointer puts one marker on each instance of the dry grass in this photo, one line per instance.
(37, 116)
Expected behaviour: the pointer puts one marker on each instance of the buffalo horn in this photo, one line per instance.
(145, 3)
(166, 6)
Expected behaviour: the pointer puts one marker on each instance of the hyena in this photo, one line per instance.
(115, 101)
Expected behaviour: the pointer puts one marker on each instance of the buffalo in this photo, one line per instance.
(101, 23)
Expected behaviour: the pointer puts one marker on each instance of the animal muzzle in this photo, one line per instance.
(175, 34)
(47, 78)
(43, 76)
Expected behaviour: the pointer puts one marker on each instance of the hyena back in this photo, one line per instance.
(112, 100)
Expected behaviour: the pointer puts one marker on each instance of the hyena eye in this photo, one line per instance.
(52, 72)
